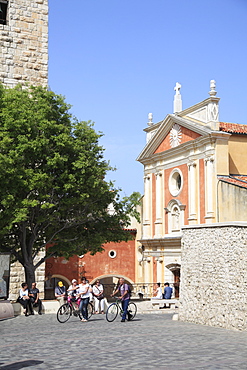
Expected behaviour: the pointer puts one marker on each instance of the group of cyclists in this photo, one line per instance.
(81, 294)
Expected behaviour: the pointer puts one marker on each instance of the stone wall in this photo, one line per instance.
(17, 276)
(214, 275)
(24, 43)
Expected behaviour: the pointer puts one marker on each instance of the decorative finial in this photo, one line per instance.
(177, 102)
(150, 119)
(212, 91)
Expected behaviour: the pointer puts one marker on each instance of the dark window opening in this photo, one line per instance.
(179, 182)
(3, 11)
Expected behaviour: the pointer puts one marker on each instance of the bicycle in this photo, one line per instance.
(115, 308)
(67, 309)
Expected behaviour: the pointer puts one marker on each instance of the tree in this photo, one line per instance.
(53, 189)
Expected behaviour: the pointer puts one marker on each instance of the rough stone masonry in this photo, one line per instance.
(24, 43)
(214, 275)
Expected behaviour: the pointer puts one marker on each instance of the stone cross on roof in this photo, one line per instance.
(177, 88)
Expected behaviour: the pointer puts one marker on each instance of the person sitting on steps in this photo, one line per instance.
(34, 299)
(157, 292)
(24, 298)
(167, 294)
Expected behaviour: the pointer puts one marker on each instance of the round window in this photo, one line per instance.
(112, 254)
(175, 182)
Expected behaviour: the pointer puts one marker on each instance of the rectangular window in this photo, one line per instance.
(3, 11)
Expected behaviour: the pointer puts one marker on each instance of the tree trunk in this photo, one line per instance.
(29, 274)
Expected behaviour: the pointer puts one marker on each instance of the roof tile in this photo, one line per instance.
(239, 180)
(233, 128)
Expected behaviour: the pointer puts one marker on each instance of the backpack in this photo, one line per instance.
(129, 290)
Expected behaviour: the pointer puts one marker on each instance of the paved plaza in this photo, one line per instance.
(149, 341)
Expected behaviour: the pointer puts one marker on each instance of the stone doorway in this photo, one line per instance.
(110, 283)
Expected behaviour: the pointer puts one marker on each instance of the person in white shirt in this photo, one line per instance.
(90, 292)
(98, 290)
(83, 294)
(24, 298)
(157, 292)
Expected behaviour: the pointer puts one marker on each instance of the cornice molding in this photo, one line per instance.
(167, 240)
(197, 106)
(218, 224)
(153, 127)
(181, 153)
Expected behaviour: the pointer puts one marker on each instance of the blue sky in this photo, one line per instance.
(117, 60)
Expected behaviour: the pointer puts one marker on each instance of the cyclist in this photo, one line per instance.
(73, 291)
(124, 291)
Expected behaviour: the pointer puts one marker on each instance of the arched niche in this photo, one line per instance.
(175, 210)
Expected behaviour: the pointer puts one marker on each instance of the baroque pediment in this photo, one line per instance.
(173, 131)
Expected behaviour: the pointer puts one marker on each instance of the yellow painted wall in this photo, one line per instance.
(232, 204)
(238, 155)
(222, 157)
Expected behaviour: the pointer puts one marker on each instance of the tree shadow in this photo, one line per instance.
(21, 364)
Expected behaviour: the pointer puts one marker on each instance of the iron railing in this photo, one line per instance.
(140, 290)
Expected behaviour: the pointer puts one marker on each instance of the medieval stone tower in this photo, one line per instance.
(24, 42)
(24, 59)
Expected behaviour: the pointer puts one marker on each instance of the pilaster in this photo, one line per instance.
(192, 167)
(209, 189)
(147, 206)
(159, 205)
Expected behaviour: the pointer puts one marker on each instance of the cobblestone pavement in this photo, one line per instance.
(149, 341)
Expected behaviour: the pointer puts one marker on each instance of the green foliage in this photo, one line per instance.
(52, 173)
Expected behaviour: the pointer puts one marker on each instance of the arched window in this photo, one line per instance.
(175, 212)
(176, 222)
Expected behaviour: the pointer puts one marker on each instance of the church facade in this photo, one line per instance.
(195, 175)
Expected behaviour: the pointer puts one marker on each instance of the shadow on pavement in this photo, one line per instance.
(21, 364)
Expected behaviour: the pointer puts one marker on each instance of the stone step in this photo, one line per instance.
(52, 306)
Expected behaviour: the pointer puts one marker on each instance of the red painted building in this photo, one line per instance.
(117, 260)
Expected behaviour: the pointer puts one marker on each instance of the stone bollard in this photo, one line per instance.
(6, 310)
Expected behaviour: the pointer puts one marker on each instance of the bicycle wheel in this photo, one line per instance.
(89, 311)
(112, 312)
(131, 311)
(64, 313)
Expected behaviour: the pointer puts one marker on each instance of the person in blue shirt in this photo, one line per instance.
(167, 291)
